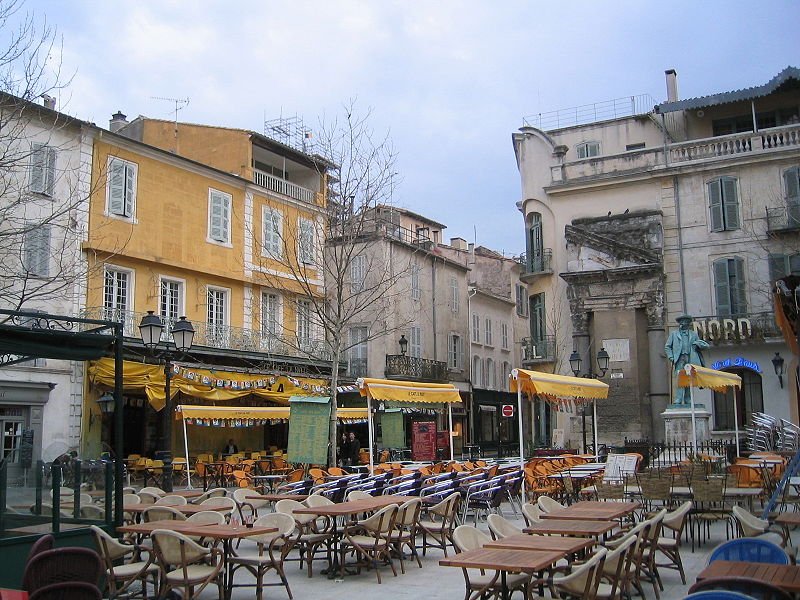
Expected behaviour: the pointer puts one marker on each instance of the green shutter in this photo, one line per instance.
(777, 266)
(739, 288)
(730, 202)
(721, 287)
(792, 181)
(715, 202)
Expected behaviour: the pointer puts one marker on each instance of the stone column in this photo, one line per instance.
(659, 369)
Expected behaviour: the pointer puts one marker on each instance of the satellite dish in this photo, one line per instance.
(54, 450)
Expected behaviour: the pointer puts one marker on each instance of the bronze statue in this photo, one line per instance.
(684, 347)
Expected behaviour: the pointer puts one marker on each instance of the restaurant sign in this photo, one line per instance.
(724, 329)
(735, 362)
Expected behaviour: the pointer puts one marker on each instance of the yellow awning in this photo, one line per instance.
(557, 386)
(351, 413)
(408, 391)
(192, 411)
(697, 376)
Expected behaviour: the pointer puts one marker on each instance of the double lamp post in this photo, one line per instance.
(575, 362)
(182, 331)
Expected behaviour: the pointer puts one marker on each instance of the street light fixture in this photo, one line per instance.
(575, 363)
(403, 344)
(150, 330)
(777, 363)
(602, 361)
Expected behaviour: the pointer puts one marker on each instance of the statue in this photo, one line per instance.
(683, 347)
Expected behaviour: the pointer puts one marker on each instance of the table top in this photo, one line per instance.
(591, 510)
(786, 577)
(148, 528)
(523, 541)
(579, 527)
(788, 518)
(187, 509)
(504, 559)
(276, 497)
(187, 493)
(353, 507)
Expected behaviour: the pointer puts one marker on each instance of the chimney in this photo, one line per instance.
(458, 243)
(117, 122)
(672, 85)
(48, 102)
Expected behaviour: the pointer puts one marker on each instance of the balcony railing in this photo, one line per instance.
(721, 330)
(402, 366)
(222, 336)
(286, 188)
(536, 264)
(784, 218)
(539, 350)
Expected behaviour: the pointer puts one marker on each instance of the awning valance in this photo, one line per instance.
(408, 391)
(535, 383)
(256, 413)
(697, 376)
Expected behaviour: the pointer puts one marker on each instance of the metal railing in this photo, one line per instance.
(784, 218)
(713, 453)
(402, 366)
(222, 336)
(536, 264)
(590, 113)
(539, 350)
(286, 188)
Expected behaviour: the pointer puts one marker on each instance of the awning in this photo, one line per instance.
(256, 413)
(703, 377)
(535, 383)
(408, 391)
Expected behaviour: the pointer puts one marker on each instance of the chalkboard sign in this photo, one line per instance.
(26, 449)
(309, 420)
(423, 440)
(394, 433)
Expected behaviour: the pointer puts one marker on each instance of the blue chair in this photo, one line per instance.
(750, 550)
(718, 595)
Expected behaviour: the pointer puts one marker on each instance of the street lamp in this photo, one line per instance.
(403, 344)
(575, 363)
(602, 361)
(150, 330)
(777, 363)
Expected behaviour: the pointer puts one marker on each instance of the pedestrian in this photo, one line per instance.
(354, 448)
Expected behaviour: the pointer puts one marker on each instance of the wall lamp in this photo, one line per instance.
(777, 362)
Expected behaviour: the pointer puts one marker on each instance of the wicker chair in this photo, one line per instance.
(186, 565)
(120, 575)
(312, 534)
(501, 527)
(370, 540)
(670, 546)
(439, 524)
(68, 590)
(405, 530)
(60, 565)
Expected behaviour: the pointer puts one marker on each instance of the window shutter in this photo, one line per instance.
(792, 180)
(220, 216)
(37, 251)
(794, 264)
(37, 168)
(740, 289)
(130, 189)
(49, 171)
(116, 188)
(273, 230)
(306, 242)
(778, 267)
(722, 287)
(730, 200)
(715, 200)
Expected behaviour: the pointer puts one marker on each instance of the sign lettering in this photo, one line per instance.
(737, 361)
(727, 329)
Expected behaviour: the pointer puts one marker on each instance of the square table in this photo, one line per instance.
(593, 510)
(523, 541)
(786, 577)
(505, 561)
(571, 527)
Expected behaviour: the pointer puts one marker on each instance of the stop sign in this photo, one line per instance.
(508, 410)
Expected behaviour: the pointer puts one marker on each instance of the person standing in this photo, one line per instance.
(354, 448)
(230, 448)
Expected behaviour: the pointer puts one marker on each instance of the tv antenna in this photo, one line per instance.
(180, 104)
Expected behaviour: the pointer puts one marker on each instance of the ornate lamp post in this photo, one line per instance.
(575, 363)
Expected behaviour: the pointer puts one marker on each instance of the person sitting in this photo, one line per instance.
(231, 448)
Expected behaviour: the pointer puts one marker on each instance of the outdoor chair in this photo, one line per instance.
(245, 500)
(205, 517)
(153, 490)
(218, 492)
(709, 505)
(93, 512)
(220, 501)
(752, 526)
(754, 550)
(501, 527)
(124, 565)
(548, 504)
(718, 595)
(68, 590)
(153, 471)
(646, 568)
(46, 542)
(609, 490)
(656, 491)
(465, 538)
(162, 513)
(171, 500)
(670, 546)
(531, 513)
(60, 565)
(370, 540)
(146, 497)
(484, 497)
(616, 570)
(405, 530)
(272, 550)
(438, 524)
(752, 588)
(583, 581)
(186, 565)
(312, 533)
(633, 577)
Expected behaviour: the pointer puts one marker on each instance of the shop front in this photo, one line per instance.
(493, 429)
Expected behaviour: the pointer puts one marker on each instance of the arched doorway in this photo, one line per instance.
(749, 399)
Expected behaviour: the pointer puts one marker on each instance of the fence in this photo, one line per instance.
(718, 452)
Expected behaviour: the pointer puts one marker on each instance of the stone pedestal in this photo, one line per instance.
(678, 424)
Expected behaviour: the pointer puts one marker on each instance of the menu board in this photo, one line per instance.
(309, 420)
(26, 449)
(619, 465)
(423, 440)
(393, 429)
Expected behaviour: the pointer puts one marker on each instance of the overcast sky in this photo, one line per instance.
(450, 81)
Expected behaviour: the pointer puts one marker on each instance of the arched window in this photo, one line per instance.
(749, 399)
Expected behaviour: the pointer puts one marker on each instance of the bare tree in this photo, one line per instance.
(352, 281)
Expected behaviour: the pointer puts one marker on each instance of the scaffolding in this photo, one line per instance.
(292, 132)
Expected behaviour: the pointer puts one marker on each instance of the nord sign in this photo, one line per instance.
(723, 329)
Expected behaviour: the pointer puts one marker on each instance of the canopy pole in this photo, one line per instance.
(450, 431)
(736, 421)
(521, 442)
(594, 427)
(369, 431)
(694, 424)
(186, 453)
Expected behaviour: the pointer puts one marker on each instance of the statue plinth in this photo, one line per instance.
(678, 423)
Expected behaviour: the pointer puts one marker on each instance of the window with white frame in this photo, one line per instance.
(116, 294)
(504, 336)
(723, 198)
(217, 316)
(488, 332)
(121, 192)
(272, 231)
(358, 272)
(475, 376)
(415, 341)
(415, 292)
(170, 301)
(304, 323)
(454, 294)
(783, 265)
(358, 352)
(730, 286)
(36, 246)
(305, 241)
(43, 169)
(476, 329)
(490, 376)
(219, 216)
(455, 351)
(587, 149)
(270, 320)
(522, 300)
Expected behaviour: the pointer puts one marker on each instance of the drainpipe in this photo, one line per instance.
(433, 310)
(470, 293)
(680, 241)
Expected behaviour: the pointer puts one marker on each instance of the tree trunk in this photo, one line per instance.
(332, 433)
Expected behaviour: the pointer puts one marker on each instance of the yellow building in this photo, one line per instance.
(229, 234)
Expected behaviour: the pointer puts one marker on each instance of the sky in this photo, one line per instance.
(448, 81)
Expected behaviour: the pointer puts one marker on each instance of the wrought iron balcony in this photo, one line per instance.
(720, 330)
(221, 336)
(784, 218)
(534, 265)
(402, 366)
(541, 350)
